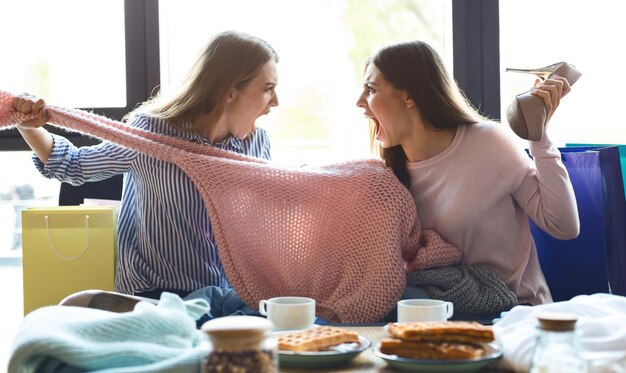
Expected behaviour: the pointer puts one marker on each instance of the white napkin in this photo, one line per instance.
(601, 321)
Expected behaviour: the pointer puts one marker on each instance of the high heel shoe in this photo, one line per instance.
(527, 114)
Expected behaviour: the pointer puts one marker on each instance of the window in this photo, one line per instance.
(69, 52)
(20, 190)
(322, 47)
(56, 46)
(536, 33)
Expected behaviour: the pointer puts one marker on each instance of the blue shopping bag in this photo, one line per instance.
(622, 154)
(594, 262)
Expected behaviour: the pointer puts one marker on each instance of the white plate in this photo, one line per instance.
(423, 365)
(335, 355)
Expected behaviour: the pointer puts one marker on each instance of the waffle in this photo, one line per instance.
(445, 331)
(431, 350)
(315, 339)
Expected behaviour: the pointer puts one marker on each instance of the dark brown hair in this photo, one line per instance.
(417, 68)
(230, 60)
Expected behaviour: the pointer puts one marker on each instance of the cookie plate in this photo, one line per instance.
(423, 365)
(336, 355)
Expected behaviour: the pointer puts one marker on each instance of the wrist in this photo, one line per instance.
(27, 128)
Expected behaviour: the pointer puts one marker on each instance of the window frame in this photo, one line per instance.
(476, 53)
(141, 22)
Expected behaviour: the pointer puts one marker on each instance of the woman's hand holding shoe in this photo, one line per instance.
(551, 91)
(528, 115)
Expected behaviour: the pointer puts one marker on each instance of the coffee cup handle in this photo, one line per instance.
(263, 307)
(449, 310)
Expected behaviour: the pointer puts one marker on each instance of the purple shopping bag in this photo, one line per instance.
(594, 262)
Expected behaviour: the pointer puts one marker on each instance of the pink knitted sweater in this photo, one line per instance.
(343, 234)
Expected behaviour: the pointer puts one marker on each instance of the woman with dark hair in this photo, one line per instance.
(165, 240)
(471, 183)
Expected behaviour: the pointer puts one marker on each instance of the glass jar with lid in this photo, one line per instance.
(557, 348)
(242, 344)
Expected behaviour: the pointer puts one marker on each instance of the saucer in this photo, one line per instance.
(492, 354)
(335, 355)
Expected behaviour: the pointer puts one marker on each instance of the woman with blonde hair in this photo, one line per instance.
(165, 240)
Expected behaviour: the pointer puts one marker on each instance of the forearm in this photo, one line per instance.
(39, 140)
(554, 206)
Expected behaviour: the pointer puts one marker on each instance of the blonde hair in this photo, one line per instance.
(230, 60)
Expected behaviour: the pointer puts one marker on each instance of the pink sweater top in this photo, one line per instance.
(478, 194)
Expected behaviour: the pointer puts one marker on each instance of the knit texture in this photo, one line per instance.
(151, 338)
(343, 234)
(471, 288)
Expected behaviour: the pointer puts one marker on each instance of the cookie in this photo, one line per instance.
(315, 339)
(443, 331)
(431, 350)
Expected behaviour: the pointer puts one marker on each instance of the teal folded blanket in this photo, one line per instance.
(151, 338)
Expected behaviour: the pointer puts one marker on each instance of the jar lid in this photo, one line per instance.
(237, 327)
(558, 322)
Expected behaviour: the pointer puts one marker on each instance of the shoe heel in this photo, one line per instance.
(562, 69)
(542, 72)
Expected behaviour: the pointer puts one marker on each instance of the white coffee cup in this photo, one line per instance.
(289, 313)
(411, 310)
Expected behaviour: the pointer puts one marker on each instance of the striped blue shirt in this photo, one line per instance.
(165, 240)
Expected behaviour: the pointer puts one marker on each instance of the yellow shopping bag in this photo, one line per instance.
(66, 249)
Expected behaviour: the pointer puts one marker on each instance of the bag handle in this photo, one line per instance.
(54, 249)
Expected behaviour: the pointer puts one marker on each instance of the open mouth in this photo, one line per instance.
(376, 128)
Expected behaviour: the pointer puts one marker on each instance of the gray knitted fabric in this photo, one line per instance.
(472, 289)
